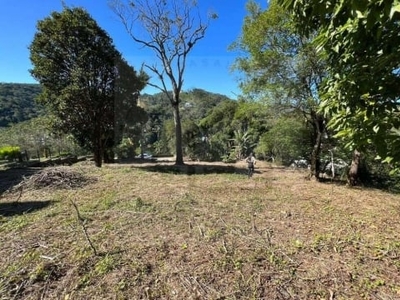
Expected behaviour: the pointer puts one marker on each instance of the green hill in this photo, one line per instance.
(17, 102)
(195, 104)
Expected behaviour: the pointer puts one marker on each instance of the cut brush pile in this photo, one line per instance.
(58, 178)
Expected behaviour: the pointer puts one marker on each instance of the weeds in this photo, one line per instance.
(105, 265)
(107, 201)
(15, 224)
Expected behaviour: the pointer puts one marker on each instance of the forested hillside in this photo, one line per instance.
(22, 127)
(17, 102)
(196, 104)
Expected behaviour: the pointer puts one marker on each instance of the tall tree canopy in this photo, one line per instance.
(86, 83)
(282, 67)
(360, 40)
(170, 29)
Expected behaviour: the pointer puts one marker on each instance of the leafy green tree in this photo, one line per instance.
(194, 145)
(153, 135)
(251, 119)
(166, 142)
(217, 130)
(196, 104)
(170, 29)
(86, 83)
(231, 129)
(282, 68)
(287, 139)
(360, 40)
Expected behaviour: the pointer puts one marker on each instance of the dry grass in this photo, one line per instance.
(214, 234)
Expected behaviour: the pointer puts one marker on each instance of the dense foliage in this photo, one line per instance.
(288, 139)
(282, 69)
(87, 85)
(359, 40)
(36, 139)
(9, 152)
(196, 105)
(17, 102)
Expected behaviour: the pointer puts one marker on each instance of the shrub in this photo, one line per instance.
(10, 153)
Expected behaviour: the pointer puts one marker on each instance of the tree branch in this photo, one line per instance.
(171, 33)
(82, 223)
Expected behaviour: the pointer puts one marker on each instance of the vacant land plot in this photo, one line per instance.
(204, 231)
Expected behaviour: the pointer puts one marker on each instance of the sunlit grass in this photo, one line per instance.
(172, 235)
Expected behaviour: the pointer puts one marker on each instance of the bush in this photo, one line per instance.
(288, 139)
(125, 150)
(10, 153)
(229, 158)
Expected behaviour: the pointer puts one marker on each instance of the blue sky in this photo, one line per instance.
(208, 65)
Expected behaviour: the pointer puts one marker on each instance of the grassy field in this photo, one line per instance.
(145, 231)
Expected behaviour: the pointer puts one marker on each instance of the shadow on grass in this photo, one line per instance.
(192, 169)
(384, 184)
(13, 176)
(137, 161)
(15, 208)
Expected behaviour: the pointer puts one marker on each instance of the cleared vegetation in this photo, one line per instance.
(149, 231)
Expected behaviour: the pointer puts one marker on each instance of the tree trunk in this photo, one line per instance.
(178, 135)
(319, 127)
(98, 154)
(97, 159)
(353, 176)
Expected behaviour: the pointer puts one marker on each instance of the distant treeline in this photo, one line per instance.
(17, 103)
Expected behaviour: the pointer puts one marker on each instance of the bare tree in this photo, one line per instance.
(170, 29)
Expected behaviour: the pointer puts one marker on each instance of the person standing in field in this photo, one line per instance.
(251, 161)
